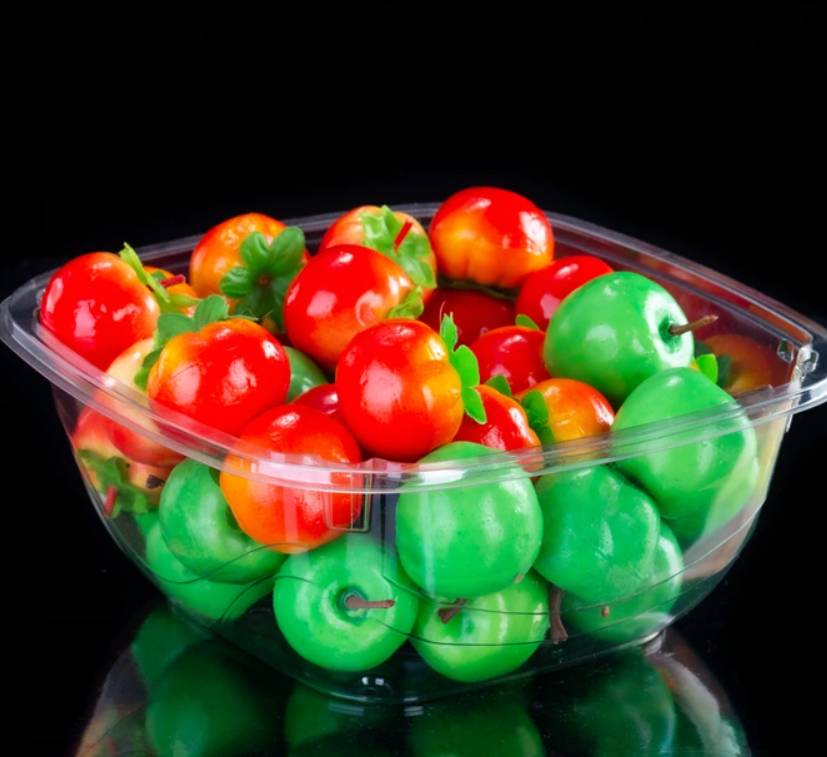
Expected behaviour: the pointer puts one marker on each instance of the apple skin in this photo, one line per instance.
(309, 602)
(472, 540)
(642, 613)
(214, 601)
(200, 530)
(716, 475)
(612, 334)
(491, 636)
(599, 533)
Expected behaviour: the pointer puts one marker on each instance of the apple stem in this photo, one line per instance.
(604, 611)
(446, 614)
(109, 502)
(357, 603)
(173, 280)
(403, 232)
(555, 600)
(707, 320)
(519, 578)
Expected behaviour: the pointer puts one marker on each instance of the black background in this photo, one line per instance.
(725, 169)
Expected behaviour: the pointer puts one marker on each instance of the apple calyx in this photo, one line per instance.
(355, 602)
(209, 310)
(389, 236)
(465, 364)
(605, 611)
(555, 600)
(707, 320)
(260, 284)
(447, 614)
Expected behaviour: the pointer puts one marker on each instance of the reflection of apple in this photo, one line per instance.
(132, 444)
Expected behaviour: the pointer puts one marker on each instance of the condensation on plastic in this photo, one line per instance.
(247, 615)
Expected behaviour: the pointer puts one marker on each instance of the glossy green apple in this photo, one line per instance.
(613, 707)
(200, 530)
(476, 724)
(490, 636)
(613, 333)
(716, 474)
(318, 598)
(211, 703)
(215, 601)
(160, 639)
(599, 533)
(304, 373)
(642, 613)
(471, 540)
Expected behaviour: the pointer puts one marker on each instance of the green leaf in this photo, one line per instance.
(500, 384)
(380, 233)
(524, 320)
(724, 367)
(702, 348)
(261, 283)
(536, 411)
(465, 364)
(113, 472)
(448, 331)
(210, 310)
(130, 257)
(254, 252)
(411, 307)
(171, 325)
(473, 404)
(499, 294)
(159, 276)
(183, 301)
(237, 282)
(708, 365)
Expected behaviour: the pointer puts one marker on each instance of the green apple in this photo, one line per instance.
(472, 540)
(304, 373)
(210, 702)
(214, 601)
(338, 609)
(200, 530)
(613, 333)
(490, 636)
(599, 533)
(711, 477)
(477, 724)
(642, 613)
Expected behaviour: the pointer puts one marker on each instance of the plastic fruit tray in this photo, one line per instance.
(541, 631)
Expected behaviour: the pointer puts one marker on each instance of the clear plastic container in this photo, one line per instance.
(236, 596)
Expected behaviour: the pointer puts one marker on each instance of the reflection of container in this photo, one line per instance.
(160, 698)
(244, 613)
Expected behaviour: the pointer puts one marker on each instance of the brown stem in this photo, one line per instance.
(357, 603)
(446, 614)
(403, 232)
(676, 330)
(604, 611)
(109, 502)
(555, 600)
(173, 280)
(153, 482)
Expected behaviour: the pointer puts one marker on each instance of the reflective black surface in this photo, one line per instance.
(174, 690)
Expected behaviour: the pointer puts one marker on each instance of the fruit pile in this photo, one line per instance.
(409, 346)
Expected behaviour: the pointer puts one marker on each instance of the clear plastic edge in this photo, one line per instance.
(92, 387)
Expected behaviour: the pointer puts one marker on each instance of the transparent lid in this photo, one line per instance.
(795, 340)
